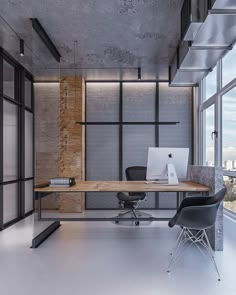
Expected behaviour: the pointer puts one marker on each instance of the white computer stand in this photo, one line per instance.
(172, 176)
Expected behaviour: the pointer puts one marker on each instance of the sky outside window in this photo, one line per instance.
(211, 84)
(229, 67)
(229, 129)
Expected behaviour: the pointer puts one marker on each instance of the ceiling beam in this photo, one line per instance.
(45, 38)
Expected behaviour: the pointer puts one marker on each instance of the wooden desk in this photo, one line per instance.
(108, 186)
(126, 186)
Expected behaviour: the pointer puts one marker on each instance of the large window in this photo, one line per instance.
(16, 141)
(228, 130)
(209, 144)
(218, 123)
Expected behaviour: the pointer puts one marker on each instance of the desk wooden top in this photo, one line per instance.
(126, 186)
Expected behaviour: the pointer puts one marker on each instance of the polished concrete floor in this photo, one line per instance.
(102, 258)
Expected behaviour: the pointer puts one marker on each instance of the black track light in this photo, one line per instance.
(139, 73)
(22, 47)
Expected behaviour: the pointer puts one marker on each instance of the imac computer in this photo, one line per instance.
(167, 164)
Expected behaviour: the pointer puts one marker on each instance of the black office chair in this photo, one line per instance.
(195, 215)
(133, 199)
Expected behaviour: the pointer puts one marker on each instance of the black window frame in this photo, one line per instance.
(19, 101)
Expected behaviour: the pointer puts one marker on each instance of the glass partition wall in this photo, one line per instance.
(16, 141)
(218, 122)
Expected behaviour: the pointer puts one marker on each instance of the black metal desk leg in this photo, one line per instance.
(39, 206)
(178, 199)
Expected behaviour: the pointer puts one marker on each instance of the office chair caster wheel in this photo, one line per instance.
(136, 223)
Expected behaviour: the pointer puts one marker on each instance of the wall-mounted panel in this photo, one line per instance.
(139, 104)
(10, 141)
(10, 202)
(102, 162)
(102, 142)
(102, 102)
(8, 80)
(175, 104)
(28, 144)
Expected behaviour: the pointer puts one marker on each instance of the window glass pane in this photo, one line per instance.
(8, 80)
(10, 202)
(228, 131)
(28, 144)
(208, 128)
(139, 102)
(229, 147)
(210, 84)
(229, 67)
(10, 141)
(28, 94)
(28, 196)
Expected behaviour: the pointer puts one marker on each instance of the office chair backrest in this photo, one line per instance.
(201, 216)
(136, 173)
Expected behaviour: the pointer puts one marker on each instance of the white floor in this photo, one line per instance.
(102, 258)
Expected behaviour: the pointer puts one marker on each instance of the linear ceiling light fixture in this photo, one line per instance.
(22, 47)
(139, 73)
(45, 38)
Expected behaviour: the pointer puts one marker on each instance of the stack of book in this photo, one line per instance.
(61, 181)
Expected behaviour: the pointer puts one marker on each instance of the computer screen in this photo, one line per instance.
(159, 158)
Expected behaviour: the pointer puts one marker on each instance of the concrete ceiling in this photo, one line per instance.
(119, 34)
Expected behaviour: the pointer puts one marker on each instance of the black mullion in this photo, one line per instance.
(157, 134)
(124, 81)
(21, 93)
(19, 77)
(127, 123)
(121, 133)
(85, 143)
(1, 140)
(11, 100)
(10, 182)
(33, 138)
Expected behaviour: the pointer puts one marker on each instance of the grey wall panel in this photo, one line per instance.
(10, 202)
(138, 105)
(102, 102)
(102, 162)
(102, 145)
(139, 102)
(136, 140)
(10, 141)
(175, 104)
